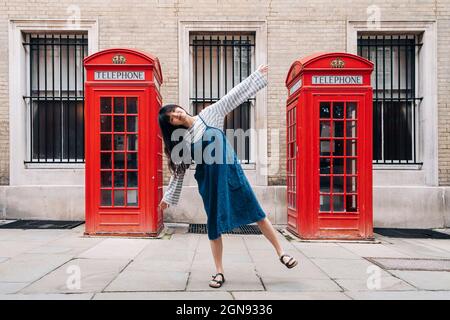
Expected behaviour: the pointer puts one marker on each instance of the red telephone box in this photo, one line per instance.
(329, 147)
(123, 143)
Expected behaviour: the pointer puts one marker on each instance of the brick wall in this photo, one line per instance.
(295, 28)
(443, 40)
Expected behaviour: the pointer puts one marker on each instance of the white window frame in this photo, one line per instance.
(255, 172)
(252, 151)
(416, 107)
(426, 78)
(60, 162)
(35, 173)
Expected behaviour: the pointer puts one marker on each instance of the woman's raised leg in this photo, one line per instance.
(270, 233)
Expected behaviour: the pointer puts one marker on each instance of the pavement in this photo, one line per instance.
(65, 264)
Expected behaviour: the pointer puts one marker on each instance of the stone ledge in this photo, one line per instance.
(394, 206)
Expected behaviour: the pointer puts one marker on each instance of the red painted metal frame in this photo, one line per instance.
(143, 219)
(304, 217)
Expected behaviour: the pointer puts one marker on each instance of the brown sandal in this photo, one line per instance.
(219, 282)
(289, 263)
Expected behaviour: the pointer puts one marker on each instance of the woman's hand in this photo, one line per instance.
(263, 68)
(163, 205)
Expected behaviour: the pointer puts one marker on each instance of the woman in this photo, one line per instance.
(228, 198)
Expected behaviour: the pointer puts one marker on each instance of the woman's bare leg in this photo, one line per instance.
(217, 249)
(270, 233)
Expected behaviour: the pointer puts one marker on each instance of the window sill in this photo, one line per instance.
(54, 165)
(397, 166)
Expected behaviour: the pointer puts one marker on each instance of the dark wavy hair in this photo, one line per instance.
(166, 130)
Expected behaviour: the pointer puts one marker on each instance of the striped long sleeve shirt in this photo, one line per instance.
(214, 115)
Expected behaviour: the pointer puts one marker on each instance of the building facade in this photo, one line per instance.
(205, 48)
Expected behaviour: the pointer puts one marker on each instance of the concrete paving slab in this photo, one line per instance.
(93, 275)
(347, 268)
(29, 267)
(414, 248)
(304, 270)
(83, 296)
(228, 257)
(162, 246)
(184, 236)
(199, 267)
(43, 235)
(11, 287)
(386, 283)
(325, 250)
(412, 264)
(425, 280)
(373, 250)
(234, 246)
(275, 283)
(149, 255)
(231, 243)
(402, 295)
(31, 234)
(259, 242)
(9, 234)
(272, 256)
(13, 248)
(271, 265)
(442, 244)
(180, 267)
(290, 295)
(171, 295)
(75, 241)
(264, 255)
(48, 249)
(161, 265)
(234, 281)
(142, 280)
(115, 248)
(181, 239)
(237, 275)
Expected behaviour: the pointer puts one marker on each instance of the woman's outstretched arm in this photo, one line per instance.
(215, 113)
(173, 192)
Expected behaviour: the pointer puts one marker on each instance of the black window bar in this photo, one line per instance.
(219, 61)
(395, 101)
(55, 97)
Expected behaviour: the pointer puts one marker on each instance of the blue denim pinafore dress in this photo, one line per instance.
(228, 198)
